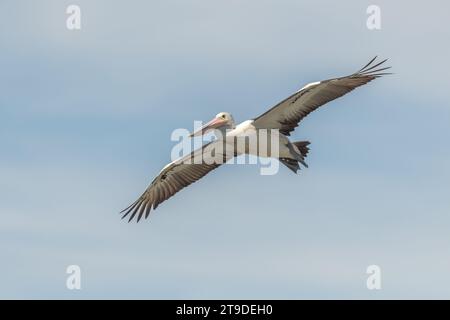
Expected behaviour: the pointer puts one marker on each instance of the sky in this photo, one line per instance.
(85, 123)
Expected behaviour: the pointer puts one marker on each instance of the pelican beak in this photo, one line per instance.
(213, 124)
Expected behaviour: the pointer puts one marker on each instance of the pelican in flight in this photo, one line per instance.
(284, 117)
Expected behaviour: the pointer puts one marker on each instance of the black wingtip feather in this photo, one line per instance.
(368, 64)
(374, 66)
(370, 69)
(141, 211)
(147, 212)
(135, 210)
(129, 207)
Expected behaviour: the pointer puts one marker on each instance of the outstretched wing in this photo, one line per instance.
(286, 115)
(178, 175)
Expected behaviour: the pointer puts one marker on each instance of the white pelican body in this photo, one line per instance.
(247, 129)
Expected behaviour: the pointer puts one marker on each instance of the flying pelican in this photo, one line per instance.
(285, 117)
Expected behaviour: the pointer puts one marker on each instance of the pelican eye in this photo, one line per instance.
(223, 116)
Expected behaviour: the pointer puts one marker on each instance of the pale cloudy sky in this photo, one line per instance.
(85, 124)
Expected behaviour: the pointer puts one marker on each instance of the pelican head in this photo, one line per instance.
(222, 121)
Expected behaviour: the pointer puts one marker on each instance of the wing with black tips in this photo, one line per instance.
(287, 114)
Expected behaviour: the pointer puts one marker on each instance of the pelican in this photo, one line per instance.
(283, 117)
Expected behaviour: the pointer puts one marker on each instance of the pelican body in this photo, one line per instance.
(272, 128)
(267, 142)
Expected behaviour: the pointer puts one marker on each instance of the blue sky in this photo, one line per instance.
(85, 124)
